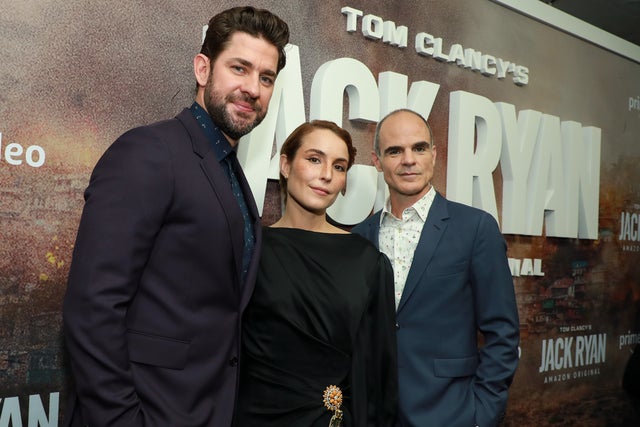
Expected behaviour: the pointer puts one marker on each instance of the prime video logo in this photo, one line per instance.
(634, 103)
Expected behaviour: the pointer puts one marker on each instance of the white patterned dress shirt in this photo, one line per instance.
(399, 237)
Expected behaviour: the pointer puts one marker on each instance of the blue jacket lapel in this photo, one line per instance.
(373, 229)
(432, 232)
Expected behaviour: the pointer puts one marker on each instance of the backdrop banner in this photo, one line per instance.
(539, 127)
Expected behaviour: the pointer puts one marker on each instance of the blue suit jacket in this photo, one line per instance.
(154, 300)
(459, 284)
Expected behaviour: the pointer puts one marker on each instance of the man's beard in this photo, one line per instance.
(233, 128)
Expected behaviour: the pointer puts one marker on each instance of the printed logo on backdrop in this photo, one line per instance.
(634, 103)
(39, 412)
(425, 44)
(629, 236)
(15, 154)
(628, 341)
(578, 350)
(572, 357)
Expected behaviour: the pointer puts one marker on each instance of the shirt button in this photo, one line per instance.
(233, 362)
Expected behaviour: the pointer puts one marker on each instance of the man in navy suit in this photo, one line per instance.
(452, 281)
(168, 246)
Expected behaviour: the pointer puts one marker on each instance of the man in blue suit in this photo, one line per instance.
(168, 246)
(452, 281)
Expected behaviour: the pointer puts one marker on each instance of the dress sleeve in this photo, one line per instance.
(374, 370)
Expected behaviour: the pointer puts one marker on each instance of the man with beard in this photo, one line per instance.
(167, 249)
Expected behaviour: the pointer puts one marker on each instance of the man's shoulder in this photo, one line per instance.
(372, 220)
(160, 129)
(180, 121)
(458, 208)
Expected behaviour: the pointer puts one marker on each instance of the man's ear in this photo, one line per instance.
(376, 161)
(201, 69)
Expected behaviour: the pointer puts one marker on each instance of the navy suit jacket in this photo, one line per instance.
(459, 283)
(154, 301)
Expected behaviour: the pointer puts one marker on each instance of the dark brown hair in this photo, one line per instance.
(256, 22)
(295, 140)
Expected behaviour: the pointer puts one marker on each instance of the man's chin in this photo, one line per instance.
(413, 190)
(246, 120)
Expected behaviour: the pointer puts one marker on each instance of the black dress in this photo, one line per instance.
(322, 314)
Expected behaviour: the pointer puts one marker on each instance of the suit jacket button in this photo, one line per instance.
(233, 362)
(397, 325)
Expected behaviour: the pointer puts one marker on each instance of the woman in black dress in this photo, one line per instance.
(319, 333)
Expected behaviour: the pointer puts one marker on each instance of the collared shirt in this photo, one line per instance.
(226, 155)
(219, 143)
(399, 237)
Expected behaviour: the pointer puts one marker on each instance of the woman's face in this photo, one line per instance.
(318, 171)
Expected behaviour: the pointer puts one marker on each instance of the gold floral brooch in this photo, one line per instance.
(332, 401)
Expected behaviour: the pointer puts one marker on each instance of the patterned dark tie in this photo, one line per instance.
(229, 164)
(249, 239)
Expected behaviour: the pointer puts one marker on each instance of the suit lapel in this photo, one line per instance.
(219, 184)
(373, 229)
(430, 237)
(247, 288)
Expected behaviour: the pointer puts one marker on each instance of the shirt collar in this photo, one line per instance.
(422, 206)
(221, 146)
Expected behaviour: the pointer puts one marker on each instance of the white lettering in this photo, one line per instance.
(352, 18)
(34, 155)
(488, 67)
(456, 54)
(423, 44)
(542, 159)
(556, 355)
(372, 27)
(395, 36)
(629, 227)
(590, 349)
(502, 67)
(521, 75)
(376, 28)
(10, 415)
(38, 417)
(286, 112)
(471, 163)
(473, 59)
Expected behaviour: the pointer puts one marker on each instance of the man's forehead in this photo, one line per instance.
(245, 44)
(405, 135)
(406, 122)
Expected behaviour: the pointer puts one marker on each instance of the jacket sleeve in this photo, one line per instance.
(497, 320)
(374, 371)
(125, 202)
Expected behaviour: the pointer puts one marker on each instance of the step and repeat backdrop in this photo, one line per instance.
(537, 126)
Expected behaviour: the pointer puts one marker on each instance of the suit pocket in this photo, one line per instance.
(454, 368)
(447, 269)
(157, 350)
